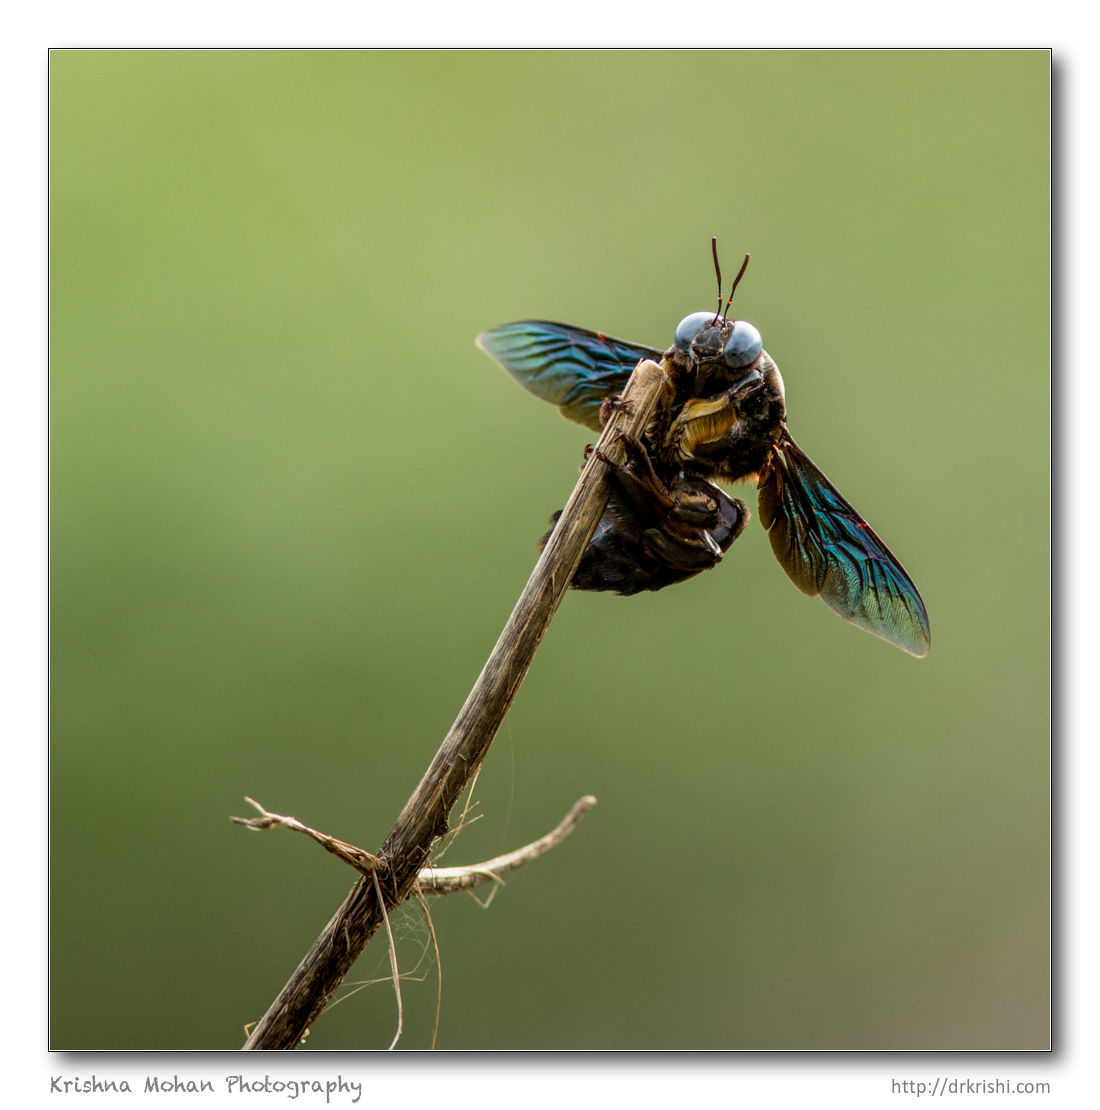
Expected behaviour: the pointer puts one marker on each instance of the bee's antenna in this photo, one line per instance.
(717, 271)
(740, 275)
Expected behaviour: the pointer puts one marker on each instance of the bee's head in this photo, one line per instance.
(706, 336)
(710, 340)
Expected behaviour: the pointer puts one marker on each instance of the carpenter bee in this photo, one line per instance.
(721, 417)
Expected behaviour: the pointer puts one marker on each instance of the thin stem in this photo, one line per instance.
(424, 817)
(447, 880)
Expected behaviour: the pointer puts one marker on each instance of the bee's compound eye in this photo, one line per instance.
(743, 346)
(688, 328)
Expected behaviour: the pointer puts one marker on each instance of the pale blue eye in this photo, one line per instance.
(743, 346)
(688, 328)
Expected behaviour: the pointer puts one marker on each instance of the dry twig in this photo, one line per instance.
(425, 815)
(363, 861)
(432, 879)
(447, 880)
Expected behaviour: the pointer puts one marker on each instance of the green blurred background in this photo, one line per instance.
(292, 506)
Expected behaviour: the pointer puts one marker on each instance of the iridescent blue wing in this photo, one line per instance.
(828, 549)
(570, 367)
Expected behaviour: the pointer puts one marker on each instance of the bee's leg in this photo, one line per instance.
(684, 527)
(654, 534)
(612, 405)
(687, 505)
(699, 528)
(638, 483)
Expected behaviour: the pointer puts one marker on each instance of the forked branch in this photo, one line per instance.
(432, 879)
